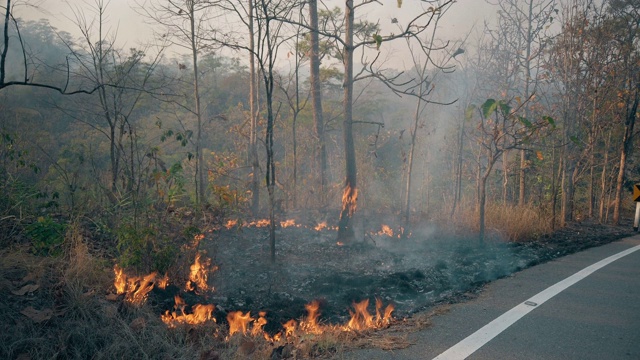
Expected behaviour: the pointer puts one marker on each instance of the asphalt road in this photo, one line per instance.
(597, 317)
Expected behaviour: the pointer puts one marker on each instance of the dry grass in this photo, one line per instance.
(510, 222)
(70, 317)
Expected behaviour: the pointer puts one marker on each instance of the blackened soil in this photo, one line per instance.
(429, 267)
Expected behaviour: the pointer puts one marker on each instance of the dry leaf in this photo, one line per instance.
(29, 288)
(37, 315)
(112, 297)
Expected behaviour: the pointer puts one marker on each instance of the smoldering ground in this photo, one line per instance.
(429, 267)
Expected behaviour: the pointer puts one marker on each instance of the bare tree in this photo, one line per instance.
(184, 23)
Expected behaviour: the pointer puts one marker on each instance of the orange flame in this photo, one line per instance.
(290, 327)
(163, 282)
(258, 324)
(288, 223)
(349, 199)
(136, 288)
(200, 314)
(199, 274)
(231, 223)
(320, 226)
(361, 319)
(238, 322)
(310, 325)
(386, 230)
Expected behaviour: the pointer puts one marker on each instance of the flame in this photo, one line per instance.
(259, 223)
(290, 327)
(288, 223)
(120, 281)
(136, 288)
(320, 226)
(230, 224)
(386, 230)
(163, 282)
(361, 319)
(238, 322)
(349, 199)
(310, 325)
(258, 324)
(199, 274)
(200, 314)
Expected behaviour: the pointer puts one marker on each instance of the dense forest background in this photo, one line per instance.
(522, 126)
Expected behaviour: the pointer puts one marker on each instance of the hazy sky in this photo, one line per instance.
(132, 30)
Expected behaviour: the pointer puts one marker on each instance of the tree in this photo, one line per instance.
(29, 73)
(498, 131)
(414, 27)
(625, 15)
(184, 24)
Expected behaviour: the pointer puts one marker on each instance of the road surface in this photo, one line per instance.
(581, 306)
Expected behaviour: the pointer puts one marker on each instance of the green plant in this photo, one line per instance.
(145, 249)
(46, 236)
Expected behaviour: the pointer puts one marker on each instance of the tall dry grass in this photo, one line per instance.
(502, 222)
(73, 318)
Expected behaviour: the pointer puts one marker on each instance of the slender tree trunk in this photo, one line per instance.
(603, 179)
(627, 141)
(350, 195)
(200, 176)
(458, 181)
(407, 199)
(505, 178)
(316, 98)
(253, 108)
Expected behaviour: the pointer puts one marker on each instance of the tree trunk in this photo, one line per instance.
(253, 108)
(627, 140)
(407, 199)
(603, 179)
(316, 98)
(200, 179)
(350, 195)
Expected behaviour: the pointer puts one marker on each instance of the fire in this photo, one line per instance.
(349, 199)
(287, 223)
(230, 224)
(200, 314)
(320, 226)
(310, 325)
(361, 319)
(386, 230)
(238, 322)
(199, 274)
(258, 324)
(136, 288)
(259, 223)
(163, 282)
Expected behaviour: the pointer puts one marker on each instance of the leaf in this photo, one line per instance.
(37, 315)
(189, 156)
(539, 155)
(505, 108)
(489, 107)
(29, 288)
(526, 122)
(550, 120)
(399, 3)
(378, 39)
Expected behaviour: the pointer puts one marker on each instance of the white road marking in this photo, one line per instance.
(475, 341)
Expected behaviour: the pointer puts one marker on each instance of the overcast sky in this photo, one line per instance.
(132, 30)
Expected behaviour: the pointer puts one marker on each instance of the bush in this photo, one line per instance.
(46, 236)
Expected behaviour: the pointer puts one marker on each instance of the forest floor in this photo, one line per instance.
(430, 267)
(66, 306)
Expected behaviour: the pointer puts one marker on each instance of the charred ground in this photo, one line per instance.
(432, 266)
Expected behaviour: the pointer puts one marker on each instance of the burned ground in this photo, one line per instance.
(430, 267)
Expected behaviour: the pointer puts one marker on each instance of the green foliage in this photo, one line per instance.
(144, 249)
(47, 236)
